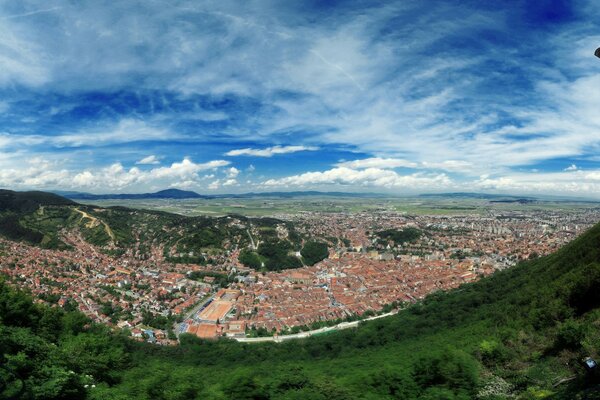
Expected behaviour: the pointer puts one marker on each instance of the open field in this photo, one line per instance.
(276, 206)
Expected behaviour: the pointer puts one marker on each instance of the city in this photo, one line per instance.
(157, 300)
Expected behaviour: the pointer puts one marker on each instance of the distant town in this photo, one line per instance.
(364, 275)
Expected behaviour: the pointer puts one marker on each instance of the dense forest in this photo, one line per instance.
(398, 237)
(521, 333)
(277, 255)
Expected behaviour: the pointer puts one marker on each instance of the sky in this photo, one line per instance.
(398, 97)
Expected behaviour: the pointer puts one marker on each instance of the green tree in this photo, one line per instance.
(95, 354)
(250, 259)
(452, 370)
(245, 387)
(313, 252)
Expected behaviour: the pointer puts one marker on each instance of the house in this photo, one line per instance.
(236, 329)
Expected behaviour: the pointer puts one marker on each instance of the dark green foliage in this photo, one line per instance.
(454, 371)
(400, 236)
(245, 387)
(392, 384)
(46, 353)
(157, 321)
(276, 255)
(94, 354)
(11, 227)
(23, 202)
(221, 280)
(313, 252)
(570, 335)
(250, 259)
(492, 352)
(585, 292)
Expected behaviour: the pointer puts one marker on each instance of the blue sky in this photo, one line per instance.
(401, 97)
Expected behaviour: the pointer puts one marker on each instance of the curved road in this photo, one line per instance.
(302, 335)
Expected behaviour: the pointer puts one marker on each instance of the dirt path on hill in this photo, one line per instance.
(94, 221)
(254, 246)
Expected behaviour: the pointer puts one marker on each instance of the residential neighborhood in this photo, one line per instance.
(157, 300)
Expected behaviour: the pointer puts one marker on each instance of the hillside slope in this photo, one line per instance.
(44, 219)
(29, 201)
(519, 334)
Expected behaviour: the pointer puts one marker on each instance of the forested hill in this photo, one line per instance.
(29, 201)
(48, 220)
(519, 334)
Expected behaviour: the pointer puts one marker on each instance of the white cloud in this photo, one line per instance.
(269, 151)
(594, 176)
(344, 82)
(189, 184)
(149, 160)
(232, 172)
(450, 165)
(374, 177)
(571, 167)
(571, 183)
(214, 185)
(186, 168)
(389, 163)
(115, 177)
(377, 162)
(125, 131)
(21, 60)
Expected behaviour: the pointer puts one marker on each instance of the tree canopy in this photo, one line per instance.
(313, 252)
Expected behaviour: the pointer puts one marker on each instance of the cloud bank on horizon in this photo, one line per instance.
(399, 97)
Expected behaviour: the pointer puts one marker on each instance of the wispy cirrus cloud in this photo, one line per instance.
(149, 160)
(269, 151)
(447, 87)
(387, 163)
(378, 162)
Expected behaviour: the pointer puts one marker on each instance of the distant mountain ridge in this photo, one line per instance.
(473, 195)
(163, 194)
(187, 194)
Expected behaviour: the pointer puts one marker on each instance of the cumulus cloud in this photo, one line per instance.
(571, 183)
(214, 185)
(571, 167)
(44, 174)
(269, 151)
(375, 177)
(185, 168)
(232, 172)
(149, 160)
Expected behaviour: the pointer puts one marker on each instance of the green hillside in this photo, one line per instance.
(19, 202)
(39, 218)
(519, 334)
